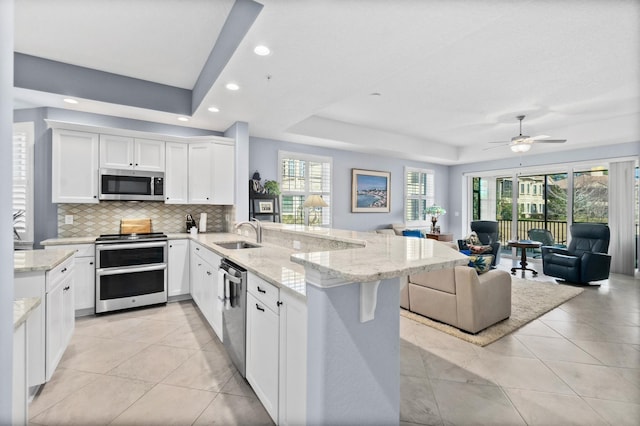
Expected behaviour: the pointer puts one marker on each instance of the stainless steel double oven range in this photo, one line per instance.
(131, 271)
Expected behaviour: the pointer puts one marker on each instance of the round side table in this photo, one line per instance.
(523, 246)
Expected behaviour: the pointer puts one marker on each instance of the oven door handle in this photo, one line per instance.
(103, 247)
(119, 271)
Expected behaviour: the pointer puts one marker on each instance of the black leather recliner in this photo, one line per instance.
(585, 259)
(487, 231)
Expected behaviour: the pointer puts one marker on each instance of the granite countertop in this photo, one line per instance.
(39, 260)
(69, 241)
(22, 308)
(359, 257)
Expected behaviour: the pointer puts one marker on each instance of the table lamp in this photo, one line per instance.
(313, 202)
(435, 212)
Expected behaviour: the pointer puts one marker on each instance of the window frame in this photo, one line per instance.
(429, 200)
(28, 128)
(306, 192)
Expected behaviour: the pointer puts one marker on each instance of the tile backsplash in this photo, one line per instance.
(104, 218)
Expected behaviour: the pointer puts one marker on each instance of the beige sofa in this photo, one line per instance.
(459, 296)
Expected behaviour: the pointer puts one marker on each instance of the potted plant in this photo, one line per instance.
(272, 187)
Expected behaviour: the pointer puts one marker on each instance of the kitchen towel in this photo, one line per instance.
(203, 222)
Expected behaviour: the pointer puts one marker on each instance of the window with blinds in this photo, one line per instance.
(23, 181)
(301, 176)
(419, 193)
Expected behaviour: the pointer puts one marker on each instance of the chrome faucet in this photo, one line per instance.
(255, 224)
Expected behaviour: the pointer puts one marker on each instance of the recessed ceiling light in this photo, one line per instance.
(70, 101)
(261, 50)
(183, 119)
(376, 94)
(213, 109)
(232, 86)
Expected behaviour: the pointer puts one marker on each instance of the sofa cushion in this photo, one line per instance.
(481, 263)
(412, 233)
(387, 231)
(438, 279)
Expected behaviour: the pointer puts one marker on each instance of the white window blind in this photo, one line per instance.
(300, 176)
(419, 193)
(23, 181)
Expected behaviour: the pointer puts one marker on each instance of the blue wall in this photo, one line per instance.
(263, 156)
(456, 182)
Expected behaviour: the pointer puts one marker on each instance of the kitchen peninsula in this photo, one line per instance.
(349, 283)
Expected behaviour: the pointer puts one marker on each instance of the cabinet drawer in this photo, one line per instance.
(82, 250)
(207, 255)
(60, 272)
(265, 292)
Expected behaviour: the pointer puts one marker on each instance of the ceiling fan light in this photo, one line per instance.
(521, 147)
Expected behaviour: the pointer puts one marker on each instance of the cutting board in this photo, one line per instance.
(135, 226)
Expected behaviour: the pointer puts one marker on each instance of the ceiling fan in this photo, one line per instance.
(522, 143)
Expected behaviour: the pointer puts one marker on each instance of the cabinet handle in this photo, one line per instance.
(131, 164)
(63, 270)
(170, 246)
(259, 308)
(261, 290)
(197, 249)
(199, 264)
(208, 272)
(95, 196)
(66, 288)
(90, 263)
(136, 164)
(167, 198)
(279, 303)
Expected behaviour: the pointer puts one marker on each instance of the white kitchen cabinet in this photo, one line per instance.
(211, 173)
(124, 152)
(74, 169)
(60, 318)
(204, 286)
(51, 324)
(176, 178)
(84, 273)
(20, 388)
(293, 361)
(262, 350)
(223, 173)
(178, 268)
(201, 173)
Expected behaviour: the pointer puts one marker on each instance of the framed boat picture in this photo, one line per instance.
(370, 191)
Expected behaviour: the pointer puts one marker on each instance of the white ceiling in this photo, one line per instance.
(452, 75)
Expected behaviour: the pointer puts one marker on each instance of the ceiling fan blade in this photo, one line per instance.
(503, 142)
(550, 141)
(494, 147)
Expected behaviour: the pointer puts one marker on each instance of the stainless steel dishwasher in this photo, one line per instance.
(233, 296)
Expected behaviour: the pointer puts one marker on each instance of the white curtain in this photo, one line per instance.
(621, 217)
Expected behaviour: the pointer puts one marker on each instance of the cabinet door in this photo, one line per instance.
(149, 155)
(85, 283)
(196, 272)
(116, 152)
(200, 173)
(262, 353)
(178, 276)
(176, 178)
(293, 361)
(74, 171)
(54, 328)
(223, 173)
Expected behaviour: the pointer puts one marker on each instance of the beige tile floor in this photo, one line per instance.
(578, 364)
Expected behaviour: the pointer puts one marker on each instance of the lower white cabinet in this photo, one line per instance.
(263, 329)
(84, 293)
(178, 268)
(51, 324)
(20, 387)
(293, 361)
(204, 285)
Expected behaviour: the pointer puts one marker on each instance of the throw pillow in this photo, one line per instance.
(480, 249)
(481, 263)
(412, 233)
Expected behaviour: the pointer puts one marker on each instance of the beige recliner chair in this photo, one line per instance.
(459, 297)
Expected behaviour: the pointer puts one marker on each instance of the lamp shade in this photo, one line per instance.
(435, 211)
(314, 201)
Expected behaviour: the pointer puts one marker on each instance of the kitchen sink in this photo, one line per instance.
(237, 245)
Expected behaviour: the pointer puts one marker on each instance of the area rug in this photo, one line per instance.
(529, 300)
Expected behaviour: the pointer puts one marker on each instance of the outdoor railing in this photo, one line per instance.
(557, 229)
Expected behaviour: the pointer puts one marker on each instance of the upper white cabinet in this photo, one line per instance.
(123, 152)
(211, 173)
(74, 171)
(176, 176)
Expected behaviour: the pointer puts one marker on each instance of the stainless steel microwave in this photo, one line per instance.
(131, 185)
